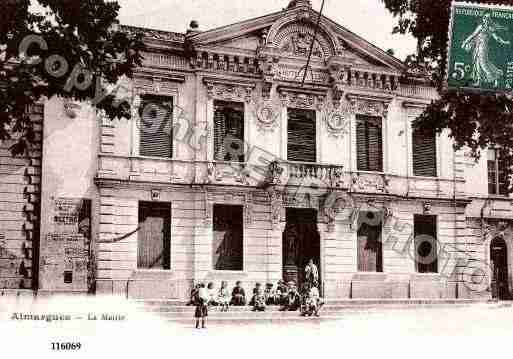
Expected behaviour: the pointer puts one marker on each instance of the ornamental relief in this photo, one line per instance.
(267, 114)
(370, 107)
(229, 92)
(302, 100)
(338, 119)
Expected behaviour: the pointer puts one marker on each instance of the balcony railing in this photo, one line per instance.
(282, 174)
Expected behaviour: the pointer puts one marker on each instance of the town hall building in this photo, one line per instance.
(245, 159)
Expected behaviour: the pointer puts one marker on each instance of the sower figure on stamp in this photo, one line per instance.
(484, 70)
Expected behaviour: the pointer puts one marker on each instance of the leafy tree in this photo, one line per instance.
(464, 114)
(84, 35)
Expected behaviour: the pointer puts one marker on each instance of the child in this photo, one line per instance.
(201, 305)
(313, 302)
(293, 300)
(281, 293)
(194, 294)
(223, 298)
(258, 298)
(238, 295)
(269, 294)
(212, 300)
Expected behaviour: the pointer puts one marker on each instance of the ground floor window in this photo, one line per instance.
(426, 248)
(370, 253)
(228, 237)
(154, 236)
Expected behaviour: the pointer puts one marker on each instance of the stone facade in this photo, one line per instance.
(260, 63)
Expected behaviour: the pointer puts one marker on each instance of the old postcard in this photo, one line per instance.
(255, 179)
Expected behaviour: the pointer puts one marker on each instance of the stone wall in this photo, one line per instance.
(20, 179)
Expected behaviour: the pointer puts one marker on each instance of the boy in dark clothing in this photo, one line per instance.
(238, 295)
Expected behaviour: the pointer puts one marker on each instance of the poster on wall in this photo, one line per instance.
(66, 259)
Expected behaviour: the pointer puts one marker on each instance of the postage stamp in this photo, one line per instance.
(480, 47)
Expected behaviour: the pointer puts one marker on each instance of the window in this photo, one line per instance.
(497, 180)
(369, 143)
(426, 248)
(301, 142)
(154, 235)
(228, 237)
(424, 153)
(370, 254)
(228, 131)
(156, 114)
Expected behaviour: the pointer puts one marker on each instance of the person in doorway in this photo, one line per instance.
(201, 305)
(311, 274)
(223, 297)
(238, 295)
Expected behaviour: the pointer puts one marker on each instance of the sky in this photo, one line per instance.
(367, 18)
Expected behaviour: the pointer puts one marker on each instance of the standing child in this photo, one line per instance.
(223, 297)
(201, 306)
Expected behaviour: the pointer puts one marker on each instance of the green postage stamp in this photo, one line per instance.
(480, 47)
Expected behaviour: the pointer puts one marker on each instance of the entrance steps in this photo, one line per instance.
(176, 311)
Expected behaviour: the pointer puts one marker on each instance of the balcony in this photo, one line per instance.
(279, 173)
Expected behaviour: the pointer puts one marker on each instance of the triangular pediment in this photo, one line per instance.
(290, 32)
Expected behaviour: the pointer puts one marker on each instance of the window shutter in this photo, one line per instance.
(156, 135)
(228, 122)
(424, 153)
(301, 145)
(369, 143)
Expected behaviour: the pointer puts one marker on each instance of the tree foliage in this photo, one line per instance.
(82, 32)
(465, 114)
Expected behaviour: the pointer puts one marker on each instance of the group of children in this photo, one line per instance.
(286, 295)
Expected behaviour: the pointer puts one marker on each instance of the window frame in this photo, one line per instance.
(244, 249)
(136, 131)
(497, 166)
(382, 124)
(436, 149)
(435, 219)
(244, 130)
(317, 137)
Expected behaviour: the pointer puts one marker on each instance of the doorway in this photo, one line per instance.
(301, 242)
(499, 259)
(154, 237)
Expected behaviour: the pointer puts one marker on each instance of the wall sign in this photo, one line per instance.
(65, 253)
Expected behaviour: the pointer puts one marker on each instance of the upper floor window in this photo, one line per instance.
(424, 153)
(156, 126)
(228, 131)
(301, 137)
(497, 180)
(369, 143)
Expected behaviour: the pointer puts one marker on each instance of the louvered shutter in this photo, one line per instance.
(301, 145)
(424, 153)
(228, 123)
(369, 144)
(156, 135)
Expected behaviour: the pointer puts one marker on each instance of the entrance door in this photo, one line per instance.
(154, 239)
(301, 242)
(499, 258)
